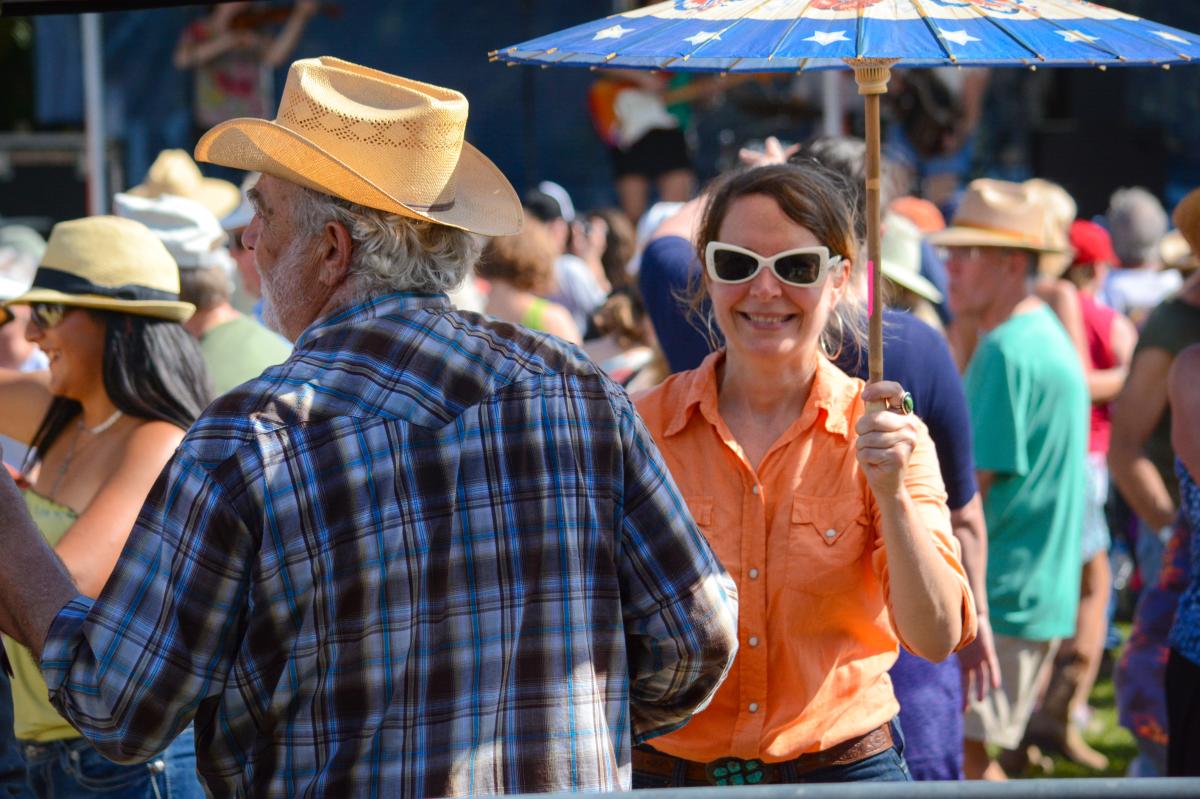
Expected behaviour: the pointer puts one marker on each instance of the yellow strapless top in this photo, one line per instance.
(35, 719)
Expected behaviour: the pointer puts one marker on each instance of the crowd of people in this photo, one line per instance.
(373, 475)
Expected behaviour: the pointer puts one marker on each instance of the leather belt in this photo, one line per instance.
(736, 771)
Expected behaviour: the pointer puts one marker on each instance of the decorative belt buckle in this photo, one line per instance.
(735, 771)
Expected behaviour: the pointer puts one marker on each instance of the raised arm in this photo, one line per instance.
(923, 577)
(1136, 412)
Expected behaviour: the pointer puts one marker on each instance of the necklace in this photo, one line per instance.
(106, 424)
(80, 428)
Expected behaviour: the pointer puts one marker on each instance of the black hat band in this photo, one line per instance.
(69, 283)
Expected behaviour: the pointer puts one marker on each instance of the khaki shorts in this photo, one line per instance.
(1000, 719)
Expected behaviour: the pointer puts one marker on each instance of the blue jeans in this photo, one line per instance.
(13, 781)
(72, 769)
(887, 766)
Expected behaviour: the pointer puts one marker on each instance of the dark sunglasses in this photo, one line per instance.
(804, 266)
(47, 314)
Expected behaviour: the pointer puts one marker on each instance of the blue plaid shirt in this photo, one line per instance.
(431, 554)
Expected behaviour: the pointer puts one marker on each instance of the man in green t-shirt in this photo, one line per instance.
(1029, 417)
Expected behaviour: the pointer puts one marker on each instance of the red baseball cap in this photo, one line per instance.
(1091, 243)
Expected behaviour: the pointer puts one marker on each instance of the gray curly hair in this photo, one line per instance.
(392, 252)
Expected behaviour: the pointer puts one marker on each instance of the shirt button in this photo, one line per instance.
(752, 707)
(831, 533)
(754, 574)
(753, 640)
(754, 490)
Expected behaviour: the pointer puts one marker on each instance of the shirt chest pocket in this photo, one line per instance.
(719, 530)
(827, 545)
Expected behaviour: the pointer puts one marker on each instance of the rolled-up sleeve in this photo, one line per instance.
(679, 604)
(924, 483)
(130, 669)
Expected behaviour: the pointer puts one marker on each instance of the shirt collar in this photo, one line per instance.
(388, 304)
(833, 391)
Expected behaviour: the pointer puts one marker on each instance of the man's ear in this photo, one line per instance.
(335, 247)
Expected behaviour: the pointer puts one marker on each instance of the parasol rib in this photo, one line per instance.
(750, 9)
(1033, 12)
(795, 23)
(1010, 34)
(937, 34)
(1136, 33)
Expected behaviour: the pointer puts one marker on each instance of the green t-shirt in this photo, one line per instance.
(239, 350)
(1173, 326)
(1029, 416)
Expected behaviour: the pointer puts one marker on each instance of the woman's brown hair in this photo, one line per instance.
(811, 196)
(525, 260)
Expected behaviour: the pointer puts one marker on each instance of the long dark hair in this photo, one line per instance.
(153, 369)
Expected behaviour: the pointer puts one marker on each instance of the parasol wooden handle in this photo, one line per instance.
(872, 76)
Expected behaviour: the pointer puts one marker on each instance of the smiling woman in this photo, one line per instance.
(821, 497)
(124, 383)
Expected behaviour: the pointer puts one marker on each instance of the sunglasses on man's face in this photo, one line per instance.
(803, 266)
(47, 314)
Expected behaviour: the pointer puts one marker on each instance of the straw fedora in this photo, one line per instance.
(174, 172)
(900, 254)
(110, 264)
(997, 213)
(375, 139)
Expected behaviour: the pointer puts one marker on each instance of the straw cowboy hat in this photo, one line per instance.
(900, 254)
(175, 173)
(997, 213)
(109, 264)
(375, 139)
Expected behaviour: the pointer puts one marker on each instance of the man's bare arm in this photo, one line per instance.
(1136, 412)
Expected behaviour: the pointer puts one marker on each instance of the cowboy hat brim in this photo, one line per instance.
(916, 283)
(964, 236)
(158, 309)
(483, 201)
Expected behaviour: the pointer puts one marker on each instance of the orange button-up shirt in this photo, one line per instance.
(801, 537)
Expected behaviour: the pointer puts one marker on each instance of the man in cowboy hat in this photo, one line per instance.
(429, 555)
(1029, 419)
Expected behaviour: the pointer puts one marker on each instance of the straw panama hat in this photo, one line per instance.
(900, 254)
(174, 172)
(375, 139)
(997, 213)
(110, 264)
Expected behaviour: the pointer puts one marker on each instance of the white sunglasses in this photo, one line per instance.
(803, 266)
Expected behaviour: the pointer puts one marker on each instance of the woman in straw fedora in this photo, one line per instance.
(124, 383)
(820, 496)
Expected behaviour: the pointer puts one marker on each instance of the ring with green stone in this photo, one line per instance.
(906, 404)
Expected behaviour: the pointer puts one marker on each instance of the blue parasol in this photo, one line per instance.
(868, 36)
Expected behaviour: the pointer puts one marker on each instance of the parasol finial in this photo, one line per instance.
(872, 74)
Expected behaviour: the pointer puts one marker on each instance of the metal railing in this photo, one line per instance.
(1106, 788)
